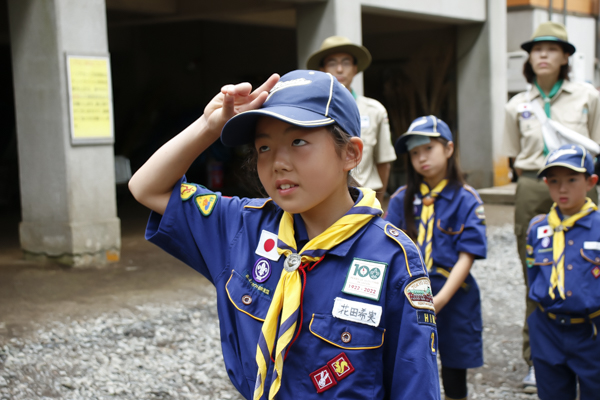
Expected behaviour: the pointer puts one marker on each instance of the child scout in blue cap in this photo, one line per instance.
(445, 217)
(315, 292)
(563, 259)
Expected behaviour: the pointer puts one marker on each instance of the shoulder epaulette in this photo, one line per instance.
(412, 256)
(400, 190)
(473, 192)
(536, 220)
(257, 204)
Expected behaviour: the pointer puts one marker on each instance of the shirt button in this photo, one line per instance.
(569, 267)
(545, 260)
(570, 243)
(247, 299)
(569, 293)
(597, 259)
(346, 337)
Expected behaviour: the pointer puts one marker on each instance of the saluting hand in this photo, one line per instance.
(235, 99)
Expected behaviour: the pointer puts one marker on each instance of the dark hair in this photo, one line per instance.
(413, 186)
(340, 139)
(530, 75)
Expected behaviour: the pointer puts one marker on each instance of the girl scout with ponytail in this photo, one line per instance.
(315, 292)
(563, 259)
(445, 218)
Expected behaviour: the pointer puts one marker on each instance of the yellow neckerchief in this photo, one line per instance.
(287, 296)
(557, 278)
(427, 219)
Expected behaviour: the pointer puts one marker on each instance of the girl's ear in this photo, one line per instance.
(449, 150)
(353, 153)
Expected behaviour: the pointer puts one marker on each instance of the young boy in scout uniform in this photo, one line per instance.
(344, 59)
(573, 104)
(563, 259)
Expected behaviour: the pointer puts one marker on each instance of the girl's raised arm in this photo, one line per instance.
(152, 184)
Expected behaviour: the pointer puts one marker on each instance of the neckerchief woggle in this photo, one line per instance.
(557, 277)
(425, 237)
(286, 299)
(547, 99)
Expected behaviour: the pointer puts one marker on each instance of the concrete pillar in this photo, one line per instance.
(68, 197)
(316, 22)
(482, 94)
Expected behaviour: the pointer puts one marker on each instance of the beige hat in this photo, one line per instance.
(340, 44)
(550, 32)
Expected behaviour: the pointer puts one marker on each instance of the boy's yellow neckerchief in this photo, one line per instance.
(557, 278)
(427, 219)
(286, 303)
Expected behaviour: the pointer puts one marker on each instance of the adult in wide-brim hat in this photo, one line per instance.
(340, 44)
(550, 32)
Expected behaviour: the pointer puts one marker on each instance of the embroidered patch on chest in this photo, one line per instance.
(355, 311)
(365, 279)
(187, 191)
(365, 121)
(267, 246)
(341, 366)
(419, 295)
(262, 270)
(545, 242)
(544, 231)
(596, 272)
(206, 203)
(322, 379)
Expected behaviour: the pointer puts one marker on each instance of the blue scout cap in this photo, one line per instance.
(570, 156)
(428, 126)
(303, 98)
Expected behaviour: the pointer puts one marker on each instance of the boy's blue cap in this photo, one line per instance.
(570, 156)
(303, 98)
(429, 126)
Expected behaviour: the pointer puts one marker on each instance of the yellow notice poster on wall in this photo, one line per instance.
(90, 99)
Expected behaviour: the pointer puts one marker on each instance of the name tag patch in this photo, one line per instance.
(426, 318)
(544, 231)
(365, 279)
(364, 121)
(591, 245)
(355, 311)
(419, 295)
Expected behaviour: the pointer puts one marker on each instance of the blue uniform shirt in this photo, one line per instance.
(394, 358)
(459, 224)
(582, 265)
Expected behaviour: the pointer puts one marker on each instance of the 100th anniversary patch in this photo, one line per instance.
(365, 279)
(418, 293)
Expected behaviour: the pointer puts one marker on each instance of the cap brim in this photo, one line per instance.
(400, 145)
(542, 172)
(241, 128)
(362, 55)
(567, 47)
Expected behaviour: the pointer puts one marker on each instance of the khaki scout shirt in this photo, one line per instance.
(378, 148)
(575, 106)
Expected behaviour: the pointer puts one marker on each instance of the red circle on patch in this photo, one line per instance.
(269, 244)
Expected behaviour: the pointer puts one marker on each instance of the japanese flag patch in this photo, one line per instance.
(187, 191)
(267, 246)
(544, 231)
(419, 295)
(206, 203)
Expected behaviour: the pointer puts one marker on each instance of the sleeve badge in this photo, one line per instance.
(187, 191)
(206, 203)
(418, 293)
(480, 212)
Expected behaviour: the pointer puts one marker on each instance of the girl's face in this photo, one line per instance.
(300, 168)
(430, 160)
(546, 58)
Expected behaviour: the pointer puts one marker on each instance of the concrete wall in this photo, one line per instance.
(67, 192)
(458, 11)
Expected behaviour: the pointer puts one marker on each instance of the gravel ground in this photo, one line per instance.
(172, 351)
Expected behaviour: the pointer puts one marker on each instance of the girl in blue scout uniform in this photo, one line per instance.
(563, 259)
(315, 292)
(445, 218)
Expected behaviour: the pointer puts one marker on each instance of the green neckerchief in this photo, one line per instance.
(353, 93)
(546, 99)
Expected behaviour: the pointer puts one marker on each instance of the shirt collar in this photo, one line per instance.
(567, 86)
(585, 222)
